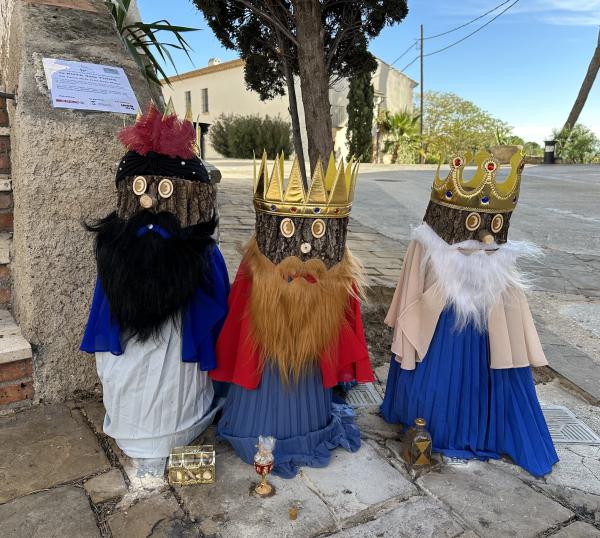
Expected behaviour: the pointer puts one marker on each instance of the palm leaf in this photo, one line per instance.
(142, 42)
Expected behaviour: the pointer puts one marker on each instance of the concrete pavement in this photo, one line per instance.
(63, 477)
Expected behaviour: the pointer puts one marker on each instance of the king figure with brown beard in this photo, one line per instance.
(294, 329)
(161, 293)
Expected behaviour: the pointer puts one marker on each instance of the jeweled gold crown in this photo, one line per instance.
(330, 193)
(480, 193)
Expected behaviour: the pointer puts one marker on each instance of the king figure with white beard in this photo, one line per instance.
(464, 338)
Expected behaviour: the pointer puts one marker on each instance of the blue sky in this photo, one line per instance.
(525, 68)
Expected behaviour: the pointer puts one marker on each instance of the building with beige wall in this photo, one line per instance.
(220, 88)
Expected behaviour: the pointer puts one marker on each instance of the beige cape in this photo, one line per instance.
(418, 303)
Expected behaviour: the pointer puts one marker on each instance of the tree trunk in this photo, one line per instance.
(293, 108)
(584, 91)
(449, 224)
(330, 248)
(192, 202)
(314, 80)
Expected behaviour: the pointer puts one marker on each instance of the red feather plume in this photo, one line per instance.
(166, 136)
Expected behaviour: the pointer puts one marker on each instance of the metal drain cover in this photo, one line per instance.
(566, 428)
(363, 395)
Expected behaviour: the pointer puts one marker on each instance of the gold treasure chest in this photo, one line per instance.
(191, 465)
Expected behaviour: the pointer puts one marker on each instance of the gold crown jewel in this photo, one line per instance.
(480, 193)
(329, 195)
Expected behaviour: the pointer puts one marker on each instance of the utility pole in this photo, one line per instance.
(421, 159)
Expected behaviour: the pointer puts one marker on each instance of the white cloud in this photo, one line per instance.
(573, 20)
(565, 12)
(556, 12)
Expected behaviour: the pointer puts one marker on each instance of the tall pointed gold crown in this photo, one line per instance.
(329, 195)
(480, 193)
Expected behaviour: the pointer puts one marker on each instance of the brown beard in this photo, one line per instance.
(297, 308)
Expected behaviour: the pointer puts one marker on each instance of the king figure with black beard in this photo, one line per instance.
(294, 328)
(161, 293)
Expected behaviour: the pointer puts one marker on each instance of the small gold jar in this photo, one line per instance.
(419, 450)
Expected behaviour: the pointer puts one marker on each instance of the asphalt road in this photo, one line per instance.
(559, 206)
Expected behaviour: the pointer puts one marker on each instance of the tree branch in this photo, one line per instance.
(277, 24)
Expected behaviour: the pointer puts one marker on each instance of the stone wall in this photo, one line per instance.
(63, 166)
(6, 9)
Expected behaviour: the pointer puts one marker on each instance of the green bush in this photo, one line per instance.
(242, 137)
(578, 146)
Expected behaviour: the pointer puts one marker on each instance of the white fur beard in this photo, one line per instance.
(472, 283)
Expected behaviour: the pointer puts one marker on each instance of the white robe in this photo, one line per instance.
(153, 400)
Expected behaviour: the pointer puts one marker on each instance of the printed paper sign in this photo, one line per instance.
(86, 86)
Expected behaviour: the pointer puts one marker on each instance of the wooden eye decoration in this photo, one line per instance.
(473, 221)
(139, 185)
(318, 228)
(287, 227)
(497, 223)
(165, 188)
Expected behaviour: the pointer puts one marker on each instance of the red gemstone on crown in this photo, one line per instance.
(457, 162)
(491, 167)
(293, 209)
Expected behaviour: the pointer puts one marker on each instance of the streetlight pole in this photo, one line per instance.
(421, 127)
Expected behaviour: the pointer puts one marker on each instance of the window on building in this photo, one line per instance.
(188, 101)
(204, 101)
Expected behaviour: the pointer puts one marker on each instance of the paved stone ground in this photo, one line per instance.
(74, 481)
(61, 476)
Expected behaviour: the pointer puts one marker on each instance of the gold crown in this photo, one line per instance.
(330, 193)
(481, 192)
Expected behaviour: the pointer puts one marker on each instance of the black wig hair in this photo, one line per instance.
(147, 278)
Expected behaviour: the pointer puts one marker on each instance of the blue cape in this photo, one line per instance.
(202, 321)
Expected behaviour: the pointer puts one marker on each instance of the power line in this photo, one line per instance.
(403, 54)
(474, 31)
(465, 37)
(469, 22)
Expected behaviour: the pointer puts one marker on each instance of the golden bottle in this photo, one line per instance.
(420, 444)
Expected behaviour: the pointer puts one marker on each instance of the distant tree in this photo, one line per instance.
(454, 124)
(505, 138)
(533, 149)
(401, 134)
(319, 40)
(360, 117)
(242, 137)
(578, 145)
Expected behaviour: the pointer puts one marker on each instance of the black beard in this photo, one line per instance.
(149, 280)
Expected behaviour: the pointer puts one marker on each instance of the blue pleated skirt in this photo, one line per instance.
(472, 410)
(303, 417)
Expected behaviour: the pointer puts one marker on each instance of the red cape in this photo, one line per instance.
(238, 360)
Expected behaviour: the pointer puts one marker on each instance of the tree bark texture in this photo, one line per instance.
(449, 224)
(192, 202)
(585, 89)
(293, 108)
(314, 80)
(275, 246)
